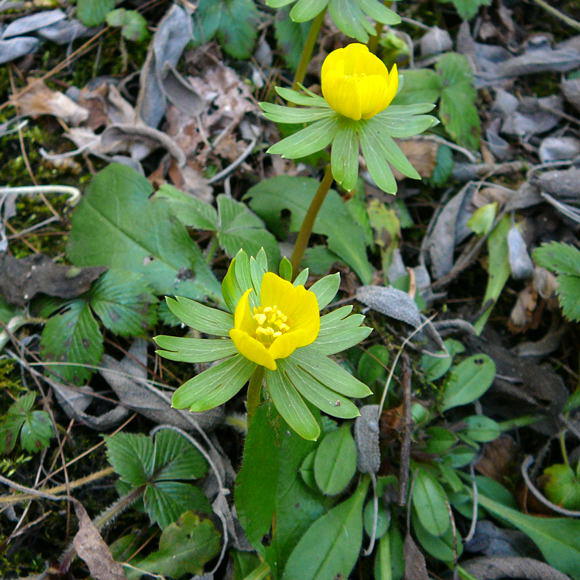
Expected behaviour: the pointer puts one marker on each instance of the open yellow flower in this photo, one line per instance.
(286, 319)
(356, 83)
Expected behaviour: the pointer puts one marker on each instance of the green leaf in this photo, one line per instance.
(291, 406)
(131, 456)
(557, 538)
(389, 561)
(239, 228)
(156, 464)
(439, 440)
(340, 334)
(175, 458)
(269, 487)
(468, 381)
(379, 12)
(194, 350)
(430, 503)
(307, 141)
(457, 109)
(344, 156)
(237, 280)
(335, 461)
(72, 336)
(215, 386)
(116, 225)
(9, 428)
(331, 546)
(305, 10)
(285, 269)
(184, 547)
(350, 19)
(372, 365)
(308, 100)
(329, 373)
(279, 114)
(377, 163)
(317, 393)
(124, 302)
(559, 258)
(200, 317)
(435, 367)
(401, 127)
(94, 12)
(498, 268)
(36, 431)
(482, 219)
(290, 38)
(440, 547)
(481, 428)
(7, 312)
(419, 86)
(133, 25)
(165, 501)
(234, 22)
(444, 167)
(562, 486)
(189, 210)
(568, 293)
(467, 9)
(326, 289)
(271, 197)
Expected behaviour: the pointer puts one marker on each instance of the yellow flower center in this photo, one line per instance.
(271, 323)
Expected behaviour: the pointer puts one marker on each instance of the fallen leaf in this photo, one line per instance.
(38, 99)
(415, 565)
(422, 155)
(21, 280)
(496, 568)
(498, 459)
(93, 550)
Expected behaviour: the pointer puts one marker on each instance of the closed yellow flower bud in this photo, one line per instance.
(356, 83)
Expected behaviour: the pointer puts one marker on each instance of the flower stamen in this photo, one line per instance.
(271, 323)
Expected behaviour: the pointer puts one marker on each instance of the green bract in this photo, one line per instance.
(350, 16)
(374, 136)
(306, 376)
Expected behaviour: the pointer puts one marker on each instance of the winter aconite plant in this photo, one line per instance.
(350, 16)
(273, 334)
(355, 113)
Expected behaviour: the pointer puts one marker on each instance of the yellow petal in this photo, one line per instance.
(342, 95)
(242, 316)
(392, 86)
(252, 349)
(307, 315)
(373, 90)
(356, 83)
(276, 291)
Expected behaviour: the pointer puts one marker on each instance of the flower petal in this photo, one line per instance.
(252, 349)
(242, 316)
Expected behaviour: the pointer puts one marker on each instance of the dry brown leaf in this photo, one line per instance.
(40, 100)
(415, 566)
(93, 550)
(522, 315)
(488, 195)
(422, 155)
(498, 459)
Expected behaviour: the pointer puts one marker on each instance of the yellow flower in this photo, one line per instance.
(286, 319)
(356, 83)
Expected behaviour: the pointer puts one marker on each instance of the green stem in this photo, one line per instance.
(562, 437)
(373, 42)
(309, 219)
(211, 249)
(307, 50)
(560, 15)
(254, 392)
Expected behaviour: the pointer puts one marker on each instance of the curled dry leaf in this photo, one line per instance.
(128, 378)
(93, 550)
(38, 99)
(366, 436)
(493, 568)
(14, 48)
(21, 280)
(522, 315)
(33, 22)
(421, 153)
(491, 540)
